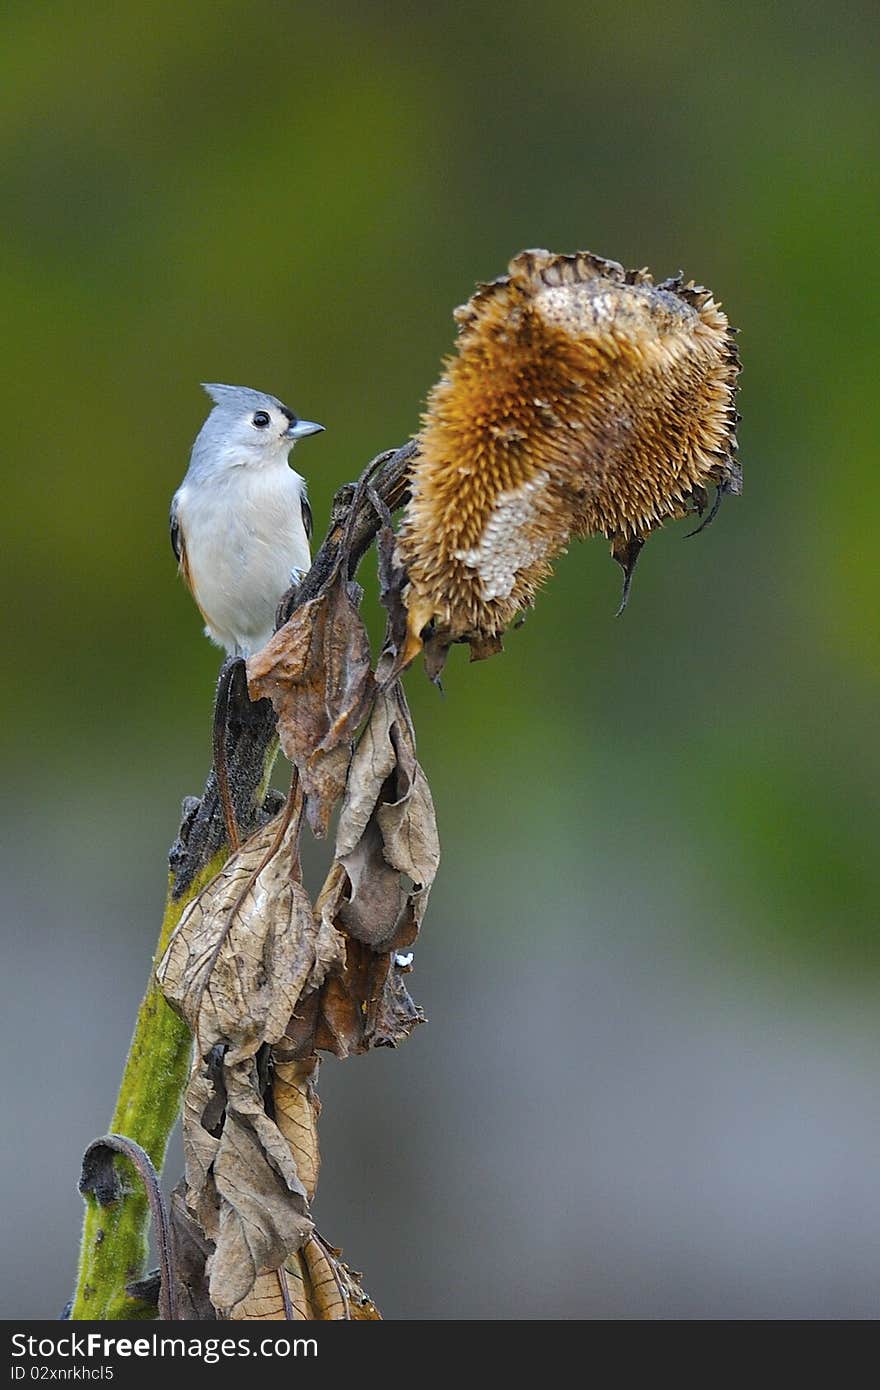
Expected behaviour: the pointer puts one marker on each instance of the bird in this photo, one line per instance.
(241, 521)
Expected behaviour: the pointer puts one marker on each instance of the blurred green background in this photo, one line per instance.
(652, 959)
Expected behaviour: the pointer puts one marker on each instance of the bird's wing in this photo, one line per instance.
(178, 545)
(308, 521)
(176, 537)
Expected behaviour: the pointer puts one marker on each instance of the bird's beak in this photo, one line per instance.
(301, 428)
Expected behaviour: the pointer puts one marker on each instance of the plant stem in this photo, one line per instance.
(114, 1243)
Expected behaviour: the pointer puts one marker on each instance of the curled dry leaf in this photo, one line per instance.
(392, 583)
(297, 1107)
(268, 1301)
(263, 1213)
(387, 853)
(192, 1251)
(201, 1140)
(364, 1006)
(325, 1292)
(387, 849)
(316, 671)
(315, 1285)
(583, 399)
(361, 1307)
(243, 954)
(259, 1247)
(247, 947)
(242, 1185)
(394, 1015)
(297, 1289)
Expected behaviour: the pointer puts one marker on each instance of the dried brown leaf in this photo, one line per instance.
(372, 897)
(484, 647)
(313, 1285)
(243, 1186)
(311, 1276)
(266, 1300)
(192, 1250)
(395, 1015)
(263, 1207)
(361, 1307)
(408, 825)
(247, 948)
(236, 968)
(300, 1038)
(374, 760)
(200, 1148)
(316, 671)
(366, 1005)
(327, 1295)
(392, 582)
(386, 840)
(436, 654)
(297, 1108)
(297, 1288)
(404, 808)
(376, 892)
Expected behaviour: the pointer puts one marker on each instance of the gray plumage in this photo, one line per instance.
(240, 520)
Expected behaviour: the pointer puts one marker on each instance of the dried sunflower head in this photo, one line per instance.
(582, 400)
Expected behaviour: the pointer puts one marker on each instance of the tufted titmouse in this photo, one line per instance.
(240, 520)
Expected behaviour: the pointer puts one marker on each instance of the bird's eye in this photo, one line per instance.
(261, 419)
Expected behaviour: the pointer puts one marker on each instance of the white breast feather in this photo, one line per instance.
(245, 541)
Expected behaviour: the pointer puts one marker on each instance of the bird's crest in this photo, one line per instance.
(240, 398)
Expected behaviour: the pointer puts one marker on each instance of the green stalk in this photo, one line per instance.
(114, 1242)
